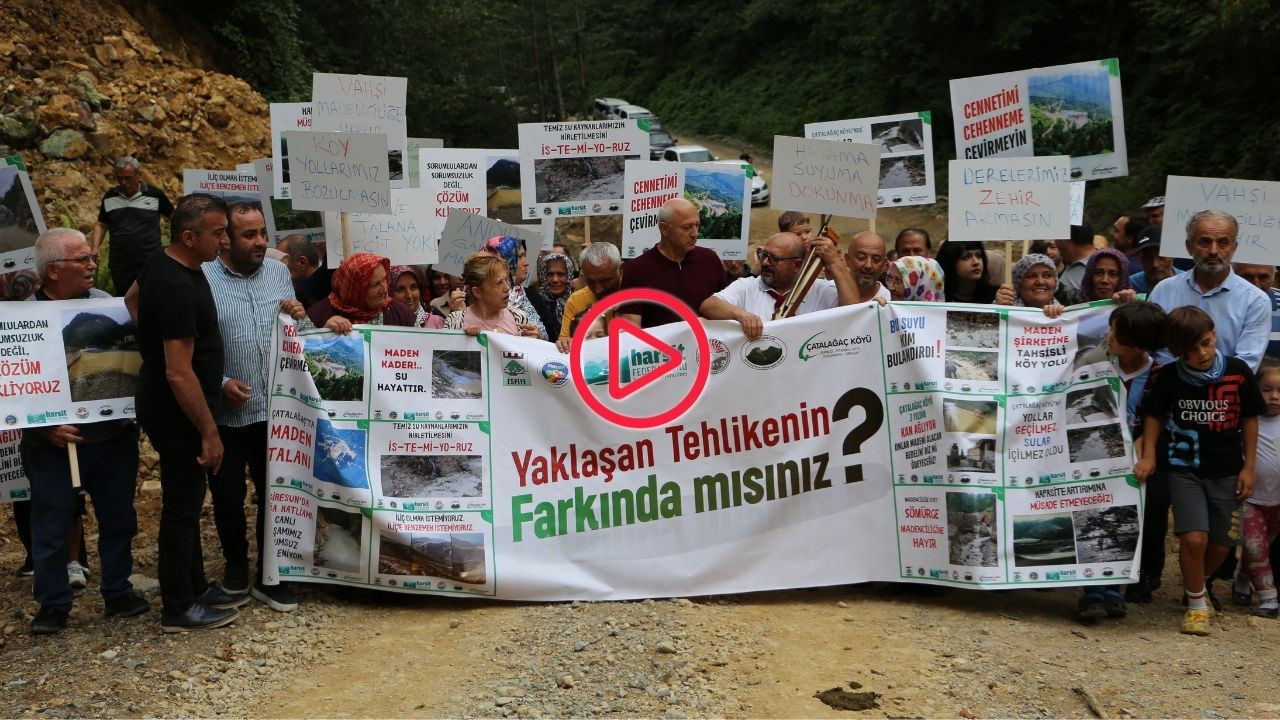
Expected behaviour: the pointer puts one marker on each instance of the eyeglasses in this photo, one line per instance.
(761, 254)
(81, 260)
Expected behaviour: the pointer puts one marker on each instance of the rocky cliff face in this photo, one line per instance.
(83, 83)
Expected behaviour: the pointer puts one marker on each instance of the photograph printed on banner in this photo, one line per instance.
(1043, 540)
(339, 455)
(20, 221)
(973, 527)
(502, 181)
(102, 353)
(718, 197)
(975, 365)
(899, 136)
(338, 540)
(970, 329)
(900, 172)
(580, 179)
(288, 220)
(432, 476)
(456, 375)
(970, 416)
(969, 454)
(1071, 111)
(1106, 535)
(1099, 442)
(1091, 340)
(458, 557)
(1093, 404)
(336, 363)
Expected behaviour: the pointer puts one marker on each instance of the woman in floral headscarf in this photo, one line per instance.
(360, 295)
(555, 277)
(1035, 283)
(920, 279)
(511, 249)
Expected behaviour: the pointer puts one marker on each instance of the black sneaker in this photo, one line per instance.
(49, 620)
(216, 597)
(277, 597)
(1242, 599)
(1138, 592)
(1115, 606)
(1091, 607)
(27, 570)
(1267, 612)
(198, 617)
(127, 605)
(235, 580)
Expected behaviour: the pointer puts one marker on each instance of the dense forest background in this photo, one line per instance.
(1198, 76)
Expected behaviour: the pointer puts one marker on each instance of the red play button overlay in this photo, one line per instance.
(672, 358)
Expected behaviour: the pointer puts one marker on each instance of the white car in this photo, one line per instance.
(759, 188)
(631, 112)
(688, 153)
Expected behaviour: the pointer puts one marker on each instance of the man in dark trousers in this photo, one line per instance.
(179, 384)
(131, 213)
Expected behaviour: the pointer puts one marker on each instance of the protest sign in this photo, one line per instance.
(1076, 213)
(472, 180)
(342, 172)
(421, 461)
(20, 219)
(72, 361)
(412, 168)
(577, 168)
(720, 191)
(1073, 110)
(364, 104)
(464, 233)
(906, 152)
(407, 236)
(282, 219)
(825, 176)
(1255, 204)
(1009, 199)
(230, 186)
(14, 486)
(285, 116)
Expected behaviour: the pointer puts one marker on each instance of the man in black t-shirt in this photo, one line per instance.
(180, 381)
(130, 212)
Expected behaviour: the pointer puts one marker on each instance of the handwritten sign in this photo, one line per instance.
(825, 176)
(407, 236)
(20, 219)
(1056, 110)
(577, 168)
(342, 172)
(906, 152)
(412, 146)
(1077, 202)
(285, 116)
(364, 104)
(282, 219)
(1255, 204)
(465, 233)
(230, 186)
(720, 190)
(1010, 199)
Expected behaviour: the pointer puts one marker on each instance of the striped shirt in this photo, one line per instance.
(247, 310)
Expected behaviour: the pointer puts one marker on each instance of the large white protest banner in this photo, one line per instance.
(230, 186)
(424, 461)
(407, 236)
(577, 168)
(21, 216)
(906, 152)
(1009, 199)
(464, 233)
(282, 220)
(364, 104)
(720, 191)
(1255, 204)
(71, 361)
(14, 486)
(825, 176)
(1073, 110)
(284, 116)
(411, 166)
(342, 172)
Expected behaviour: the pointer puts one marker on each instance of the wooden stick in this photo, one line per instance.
(1008, 263)
(586, 230)
(346, 235)
(74, 458)
(1092, 702)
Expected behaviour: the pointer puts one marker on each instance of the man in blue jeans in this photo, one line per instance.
(108, 459)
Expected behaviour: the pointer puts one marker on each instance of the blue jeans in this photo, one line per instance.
(109, 473)
(1104, 591)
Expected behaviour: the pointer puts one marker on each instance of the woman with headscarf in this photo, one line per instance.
(917, 278)
(1035, 280)
(1106, 274)
(555, 274)
(964, 265)
(360, 295)
(406, 289)
(489, 309)
(512, 250)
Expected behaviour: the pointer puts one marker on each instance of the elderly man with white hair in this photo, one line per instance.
(131, 213)
(108, 460)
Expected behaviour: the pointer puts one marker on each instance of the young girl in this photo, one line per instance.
(1203, 409)
(1262, 510)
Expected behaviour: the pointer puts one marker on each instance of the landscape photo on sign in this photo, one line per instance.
(19, 223)
(456, 375)
(972, 526)
(502, 184)
(718, 197)
(339, 455)
(102, 353)
(338, 534)
(581, 179)
(1106, 534)
(1071, 111)
(336, 363)
(451, 556)
(432, 476)
(1043, 540)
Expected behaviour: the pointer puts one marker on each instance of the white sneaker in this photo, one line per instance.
(77, 575)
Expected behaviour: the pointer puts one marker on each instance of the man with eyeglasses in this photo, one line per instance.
(130, 212)
(107, 456)
(751, 301)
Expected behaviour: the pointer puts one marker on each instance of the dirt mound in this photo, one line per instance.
(83, 83)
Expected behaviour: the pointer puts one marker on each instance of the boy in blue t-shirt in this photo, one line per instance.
(1204, 411)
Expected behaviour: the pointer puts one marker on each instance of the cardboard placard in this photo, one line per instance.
(720, 190)
(364, 104)
(1255, 204)
(825, 176)
(578, 168)
(1010, 199)
(341, 172)
(906, 152)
